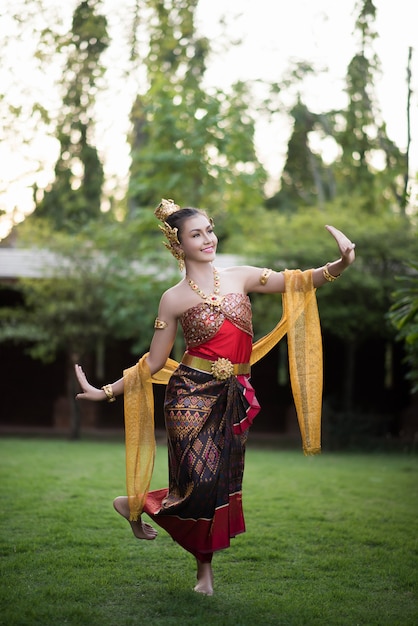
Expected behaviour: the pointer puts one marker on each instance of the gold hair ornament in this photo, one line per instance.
(166, 208)
(163, 210)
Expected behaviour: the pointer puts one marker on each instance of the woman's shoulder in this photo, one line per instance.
(177, 299)
(173, 293)
(239, 277)
(239, 269)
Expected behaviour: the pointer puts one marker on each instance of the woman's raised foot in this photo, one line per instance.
(140, 529)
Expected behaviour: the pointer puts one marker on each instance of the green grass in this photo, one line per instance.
(331, 540)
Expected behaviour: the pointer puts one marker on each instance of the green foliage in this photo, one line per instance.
(64, 309)
(198, 146)
(135, 269)
(187, 143)
(355, 306)
(357, 129)
(100, 285)
(306, 179)
(368, 166)
(403, 315)
(75, 196)
(363, 193)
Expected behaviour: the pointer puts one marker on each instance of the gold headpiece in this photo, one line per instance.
(163, 210)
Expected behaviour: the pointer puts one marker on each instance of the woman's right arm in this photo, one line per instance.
(160, 348)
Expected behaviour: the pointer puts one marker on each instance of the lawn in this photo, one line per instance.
(331, 540)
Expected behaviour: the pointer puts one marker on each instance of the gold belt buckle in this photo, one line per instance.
(222, 369)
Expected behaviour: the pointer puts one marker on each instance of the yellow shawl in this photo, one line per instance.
(300, 320)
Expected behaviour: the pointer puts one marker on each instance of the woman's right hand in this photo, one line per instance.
(89, 392)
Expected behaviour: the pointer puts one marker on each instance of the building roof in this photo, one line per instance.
(24, 263)
(34, 263)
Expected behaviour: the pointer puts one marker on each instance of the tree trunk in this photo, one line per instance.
(72, 389)
(348, 373)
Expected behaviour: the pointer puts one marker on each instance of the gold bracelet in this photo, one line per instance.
(160, 324)
(329, 277)
(265, 276)
(110, 396)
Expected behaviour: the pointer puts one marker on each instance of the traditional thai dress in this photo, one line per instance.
(207, 419)
(207, 422)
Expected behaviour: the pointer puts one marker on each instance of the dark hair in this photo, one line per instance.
(176, 220)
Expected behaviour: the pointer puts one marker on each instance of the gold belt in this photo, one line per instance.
(221, 369)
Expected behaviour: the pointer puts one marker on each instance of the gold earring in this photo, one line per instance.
(180, 259)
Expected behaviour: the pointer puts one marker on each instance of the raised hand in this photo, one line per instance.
(345, 245)
(89, 392)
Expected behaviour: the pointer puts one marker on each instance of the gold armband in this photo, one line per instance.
(265, 276)
(329, 277)
(110, 396)
(160, 324)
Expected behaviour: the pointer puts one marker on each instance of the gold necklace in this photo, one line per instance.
(214, 298)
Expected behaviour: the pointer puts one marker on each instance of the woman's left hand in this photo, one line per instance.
(345, 246)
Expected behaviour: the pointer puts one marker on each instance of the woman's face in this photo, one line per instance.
(198, 239)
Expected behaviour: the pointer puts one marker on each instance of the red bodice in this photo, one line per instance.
(222, 331)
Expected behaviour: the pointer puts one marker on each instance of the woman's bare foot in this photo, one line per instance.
(140, 529)
(204, 578)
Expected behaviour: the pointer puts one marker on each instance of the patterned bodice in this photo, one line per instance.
(202, 321)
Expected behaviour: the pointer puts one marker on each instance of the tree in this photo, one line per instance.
(361, 133)
(306, 180)
(361, 196)
(61, 312)
(89, 297)
(27, 74)
(75, 195)
(368, 164)
(403, 315)
(68, 309)
(188, 143)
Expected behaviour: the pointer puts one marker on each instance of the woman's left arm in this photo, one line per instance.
(267, 281)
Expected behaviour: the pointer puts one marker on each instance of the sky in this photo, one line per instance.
(272, 34)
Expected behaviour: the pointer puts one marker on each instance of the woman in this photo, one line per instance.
(209, 403)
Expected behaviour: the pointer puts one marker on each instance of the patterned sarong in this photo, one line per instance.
(202, 509)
